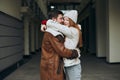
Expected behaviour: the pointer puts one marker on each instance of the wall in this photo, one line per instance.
(11, 33)
(11, 7)
(113, 27)
(101, 28)
(11, 40)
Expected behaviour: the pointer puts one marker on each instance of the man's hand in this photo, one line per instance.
(43, 27)
(74, 54)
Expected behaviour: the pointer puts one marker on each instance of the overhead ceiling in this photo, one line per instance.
(64, 1)
(63, 4)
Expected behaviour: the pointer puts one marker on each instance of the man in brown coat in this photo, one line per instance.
(53, 50)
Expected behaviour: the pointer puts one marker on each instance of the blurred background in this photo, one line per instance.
(21, 38)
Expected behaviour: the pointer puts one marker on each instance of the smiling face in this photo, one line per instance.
(66, 21)
(69, 22)
(58, 19)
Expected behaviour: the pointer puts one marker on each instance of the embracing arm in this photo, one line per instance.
(61, 28)
(60, 48)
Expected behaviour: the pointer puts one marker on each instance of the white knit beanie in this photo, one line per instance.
(73, 14)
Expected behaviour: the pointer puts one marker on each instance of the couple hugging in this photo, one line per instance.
(60, 53)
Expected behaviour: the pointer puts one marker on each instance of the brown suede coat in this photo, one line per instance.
(51, 64)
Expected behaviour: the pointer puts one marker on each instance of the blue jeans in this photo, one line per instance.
(73, 72)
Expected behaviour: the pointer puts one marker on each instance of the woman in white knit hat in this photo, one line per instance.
(72, 33)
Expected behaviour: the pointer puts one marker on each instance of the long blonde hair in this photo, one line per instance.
(73, 24)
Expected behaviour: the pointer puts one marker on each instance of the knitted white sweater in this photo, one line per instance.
(71, 41)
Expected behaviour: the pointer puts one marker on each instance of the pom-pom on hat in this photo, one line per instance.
(73, 14)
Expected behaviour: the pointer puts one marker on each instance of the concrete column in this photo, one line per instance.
(26, 36)
(41, 34)
(37, 32)
(40, 38)
(32, 36)
(101, 28)
(92, 31)
(113, 31)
